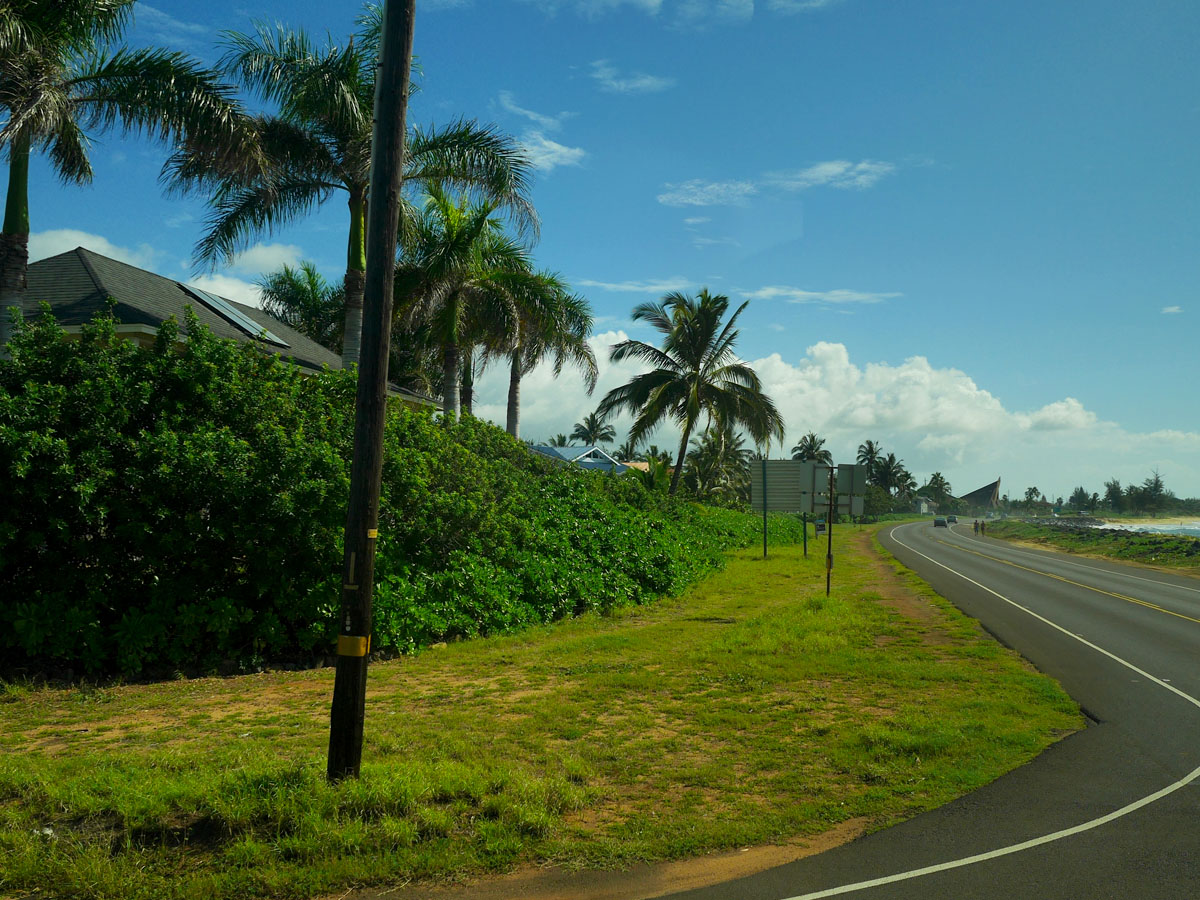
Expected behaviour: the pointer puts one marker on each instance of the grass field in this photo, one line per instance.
(1169, 550)
(750, 710)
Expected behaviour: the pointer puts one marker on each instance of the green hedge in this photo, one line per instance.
(175, 508)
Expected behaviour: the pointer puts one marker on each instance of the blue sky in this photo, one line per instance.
(967, 230)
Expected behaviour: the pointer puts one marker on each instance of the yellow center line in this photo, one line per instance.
(1088, 587)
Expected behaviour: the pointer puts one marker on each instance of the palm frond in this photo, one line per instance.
(241, 213)
(160, 94)
(486, 164)
(69, 153)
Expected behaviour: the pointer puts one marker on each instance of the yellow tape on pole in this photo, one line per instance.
(353, 645)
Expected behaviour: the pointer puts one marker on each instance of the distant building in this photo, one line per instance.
(584, 457)
(984, 498)
(79, 285)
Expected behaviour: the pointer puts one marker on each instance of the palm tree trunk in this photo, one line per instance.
(514, 397)
(356, 278)
(687, 434)
(467, 396)
(450, 404)
(14, 241)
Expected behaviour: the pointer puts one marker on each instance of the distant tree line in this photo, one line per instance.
(1149, 498)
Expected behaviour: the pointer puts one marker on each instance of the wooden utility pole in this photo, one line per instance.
(362, 516)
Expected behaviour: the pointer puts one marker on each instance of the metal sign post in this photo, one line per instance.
(829, 534)
(791, 490)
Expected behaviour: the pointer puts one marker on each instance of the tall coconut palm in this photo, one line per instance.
(869, 453)
(695, 374)
(552, 323)
(60, 78)
(810, 449)
(319, 143)
(460, 273)
(938, 487)
(593, 430)
(560, 440)
(893, 477)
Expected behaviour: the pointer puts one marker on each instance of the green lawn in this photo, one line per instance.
(750, 710)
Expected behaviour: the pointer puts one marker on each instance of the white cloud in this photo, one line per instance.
(798, 6)
(161, 28)
(696, 11)
(546, 154)
(59, 240)
(702, 242)
(935, 419)
(696, 220)
(550, 123)
(654, 286)
(263, 259)
(178, 219)
(835, 173)
(229, 287)
(1062, 415)
(699, 192)
(1172, 310)
(610, 79)
(798, 295)
(592, 9)
(775, 326)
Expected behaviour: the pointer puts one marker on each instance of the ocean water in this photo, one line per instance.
(1192, 529)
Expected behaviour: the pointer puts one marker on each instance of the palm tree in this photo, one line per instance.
(718, 465)
(938, 487)
(302, 298)
(59, 78)
(554, 323)
(810, 450)
(593, 430)
(869, 453)
(656, 476)
(627, 451)
(695, 373)
(460, 274)
(560, 440)
(890, 474)
(320, 143)
(906, 484)
(654, 452)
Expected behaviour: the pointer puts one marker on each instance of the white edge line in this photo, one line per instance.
(1044, 839)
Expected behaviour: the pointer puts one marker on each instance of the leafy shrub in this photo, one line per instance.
(172, 507)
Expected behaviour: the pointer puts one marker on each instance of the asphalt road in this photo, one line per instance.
(1113, 811)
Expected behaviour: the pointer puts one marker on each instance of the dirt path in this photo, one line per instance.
(635, 883)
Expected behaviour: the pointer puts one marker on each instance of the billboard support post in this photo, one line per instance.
(764, 471)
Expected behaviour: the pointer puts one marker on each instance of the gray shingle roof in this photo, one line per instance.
(78, 283)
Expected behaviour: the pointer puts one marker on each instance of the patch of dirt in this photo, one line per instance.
(635, 883)
(896, 596)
